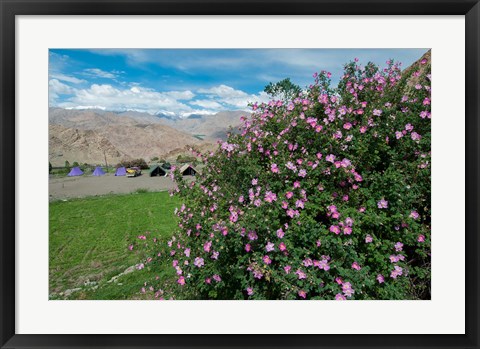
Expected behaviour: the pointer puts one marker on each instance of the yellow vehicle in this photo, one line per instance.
(134, 171)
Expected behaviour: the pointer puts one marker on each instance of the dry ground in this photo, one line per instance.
(87, 185)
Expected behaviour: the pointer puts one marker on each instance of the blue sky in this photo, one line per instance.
(191, 81)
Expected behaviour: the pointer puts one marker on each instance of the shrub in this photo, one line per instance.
(183, 159)
(87, 168)
(134, 163)
(325, 196)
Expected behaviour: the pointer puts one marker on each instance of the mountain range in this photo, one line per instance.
(93, 136)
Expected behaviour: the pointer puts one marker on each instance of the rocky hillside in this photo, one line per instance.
(84, 135)
(81, 146)
(419, 66)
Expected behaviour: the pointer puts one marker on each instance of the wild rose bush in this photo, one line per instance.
(326, 196)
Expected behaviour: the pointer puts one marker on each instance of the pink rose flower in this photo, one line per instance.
(266, 259)
(356, 266)
(382, 204)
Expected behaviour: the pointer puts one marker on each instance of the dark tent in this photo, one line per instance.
(98, 171)
(121, 171)
(75, 172)
(156, 170)
(187, 170)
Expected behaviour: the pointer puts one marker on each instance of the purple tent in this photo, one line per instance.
(121, 171)
(75, 172)
(98, 171)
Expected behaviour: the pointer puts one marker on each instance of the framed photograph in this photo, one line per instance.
(239, 174)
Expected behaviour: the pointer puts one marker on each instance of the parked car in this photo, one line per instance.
(134, 171)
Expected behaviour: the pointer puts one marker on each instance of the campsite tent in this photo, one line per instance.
(98, 171)
(76, 171)
(188, 170)
(157, 170)
(121, 171)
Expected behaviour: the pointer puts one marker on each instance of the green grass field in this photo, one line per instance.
(89, 239)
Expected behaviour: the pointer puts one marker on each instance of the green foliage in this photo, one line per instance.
(284, 90)
(324, 196)
(184, 159)
(134, 163)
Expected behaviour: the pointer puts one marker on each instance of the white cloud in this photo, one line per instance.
(135, 57)
(231, 97)
(136, 97)
(199, 112)
(81, 107)
(58, 87)
(223, 91)
(98, 73)
(206, 103)
(112, 98)
(299, 59)
(57, 64)
(67, 78)
(181, 95)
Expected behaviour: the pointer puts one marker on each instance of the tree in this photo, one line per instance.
(284, 90)
(49, 167)
(85, 167)
(67, 165)
(141, 163)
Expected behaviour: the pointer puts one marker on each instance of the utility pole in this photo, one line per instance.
(105, 156)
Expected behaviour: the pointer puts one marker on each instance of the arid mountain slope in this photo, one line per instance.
(417, 66)
(147, 140)
(81, 146)
(83, 136)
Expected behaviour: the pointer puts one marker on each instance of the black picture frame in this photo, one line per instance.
(9, 9)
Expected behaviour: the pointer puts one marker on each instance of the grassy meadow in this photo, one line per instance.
(89, 238)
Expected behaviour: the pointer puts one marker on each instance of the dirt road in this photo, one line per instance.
(87, 185)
